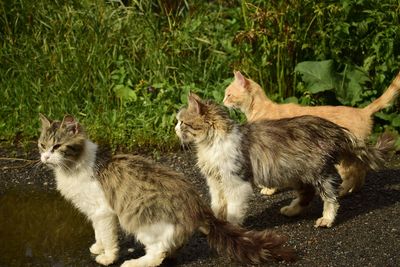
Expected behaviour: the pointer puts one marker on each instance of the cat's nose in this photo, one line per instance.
(45, 157)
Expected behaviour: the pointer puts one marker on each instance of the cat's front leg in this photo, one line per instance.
(237, 193)
(218, 200)
(105, 227)
(97, 247)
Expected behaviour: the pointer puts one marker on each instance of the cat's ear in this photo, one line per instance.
(44, 120)
(71, 125)
(195, 103)
(240, 79)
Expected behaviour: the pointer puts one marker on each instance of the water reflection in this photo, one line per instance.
(39, 228)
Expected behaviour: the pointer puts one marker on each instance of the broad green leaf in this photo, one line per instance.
(317, 75)
(350, 86)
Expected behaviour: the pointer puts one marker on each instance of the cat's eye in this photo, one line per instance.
(187, 124)
(56, 146)
(42, 145)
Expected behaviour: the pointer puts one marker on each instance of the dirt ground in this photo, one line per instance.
(366, 232)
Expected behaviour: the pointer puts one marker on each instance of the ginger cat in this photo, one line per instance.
(250, 98)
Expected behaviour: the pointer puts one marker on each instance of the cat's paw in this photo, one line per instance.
(131, 263)
(268, 191)
(143, 262)
(106, 258)
(291, 210)
(96, 248)
(323, 222)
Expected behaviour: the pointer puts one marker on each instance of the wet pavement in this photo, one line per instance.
(39, 228)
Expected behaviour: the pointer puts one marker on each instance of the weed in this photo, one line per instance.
(124, 71)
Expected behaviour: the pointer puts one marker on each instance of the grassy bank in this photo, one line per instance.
(124, 70)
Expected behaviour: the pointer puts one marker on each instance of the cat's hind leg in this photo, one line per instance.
(305, 193)
(106, 246)
(328, 191)
(331, 207)
(159, 240)
(154, 257)
(269, 191)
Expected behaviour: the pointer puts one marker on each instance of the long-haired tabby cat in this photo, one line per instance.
(153, 203)
(297, 152)
(250, 98)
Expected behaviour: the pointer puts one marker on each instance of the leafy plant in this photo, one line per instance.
(125, 70)
(320, 76)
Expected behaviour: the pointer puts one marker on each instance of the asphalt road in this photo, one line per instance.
(39, 228)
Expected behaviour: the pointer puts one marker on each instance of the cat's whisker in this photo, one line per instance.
(36, 164)
(184, 146)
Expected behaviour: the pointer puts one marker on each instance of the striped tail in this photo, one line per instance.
(375, 157)
(250, 247)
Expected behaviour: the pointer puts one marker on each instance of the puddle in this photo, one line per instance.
(40, 228)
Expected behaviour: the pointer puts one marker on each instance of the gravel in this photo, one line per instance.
(366, 232)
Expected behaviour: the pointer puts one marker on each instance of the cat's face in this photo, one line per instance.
(60, 143)
(200, 121)
(237, 93)
(192, 125)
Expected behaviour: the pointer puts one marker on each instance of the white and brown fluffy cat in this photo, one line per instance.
(250, 98)
(298, 153)
(153, 203)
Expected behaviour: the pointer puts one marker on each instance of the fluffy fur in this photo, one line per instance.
(298, 152)
(63, 148)
(250, 98)
(153, 203)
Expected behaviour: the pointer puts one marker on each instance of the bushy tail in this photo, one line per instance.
(375, 157)
(251, 247)
(386, 98)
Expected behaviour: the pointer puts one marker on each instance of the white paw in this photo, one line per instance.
(291, 210)
(323, 222)
(139, 263)
(106, 259)
(128, 264)
(96, 248)
(268, 191)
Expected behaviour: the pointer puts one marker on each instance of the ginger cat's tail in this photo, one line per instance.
(246, 246)
(388, 96)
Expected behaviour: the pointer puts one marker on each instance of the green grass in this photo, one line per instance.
(124, 71)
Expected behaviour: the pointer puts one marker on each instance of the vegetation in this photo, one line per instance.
(125, 69)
